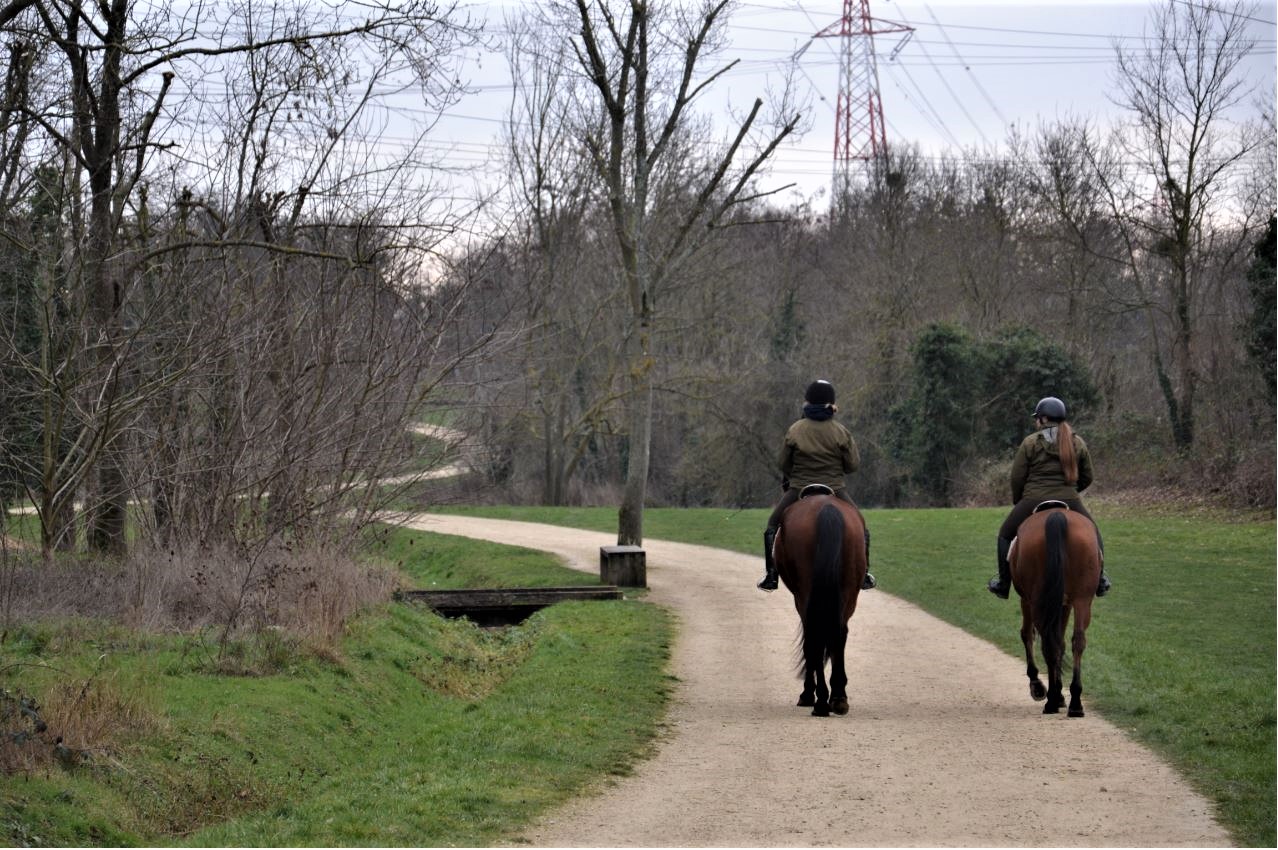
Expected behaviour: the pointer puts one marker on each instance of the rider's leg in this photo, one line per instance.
(867, 583)
(769, 582)
(1001, 585)
(1102, 586)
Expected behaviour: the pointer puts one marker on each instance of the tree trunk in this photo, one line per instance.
(107, 511)
(639, 404)
(630, 517)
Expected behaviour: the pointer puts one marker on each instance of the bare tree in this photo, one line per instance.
(151, 209)
(572, 367)
(1182, 217)
(642, 61)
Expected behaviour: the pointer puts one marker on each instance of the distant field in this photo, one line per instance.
(1181, 653)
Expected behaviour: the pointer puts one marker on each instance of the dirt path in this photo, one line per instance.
(943, 746)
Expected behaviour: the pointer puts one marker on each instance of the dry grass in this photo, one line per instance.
(71, 723)
(310, 592)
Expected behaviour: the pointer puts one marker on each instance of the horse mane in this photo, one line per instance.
(1069, 458)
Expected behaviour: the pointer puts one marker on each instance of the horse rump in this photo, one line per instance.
(1050, 604)
(821, 618)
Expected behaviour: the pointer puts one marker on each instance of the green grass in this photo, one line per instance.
(444, 562)
(1181, 654)
(418, 731)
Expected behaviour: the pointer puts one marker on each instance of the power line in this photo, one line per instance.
(957, 100)
(1058, 33)
(976, 81)
(929, 112)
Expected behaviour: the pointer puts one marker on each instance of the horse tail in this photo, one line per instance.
(821, 619)
(1051, 598)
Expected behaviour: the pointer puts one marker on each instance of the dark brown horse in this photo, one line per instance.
(1055, 567)
(820, 554)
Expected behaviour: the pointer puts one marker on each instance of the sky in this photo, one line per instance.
(967, 73)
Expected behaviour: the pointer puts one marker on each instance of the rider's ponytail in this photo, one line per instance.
(1069, 459)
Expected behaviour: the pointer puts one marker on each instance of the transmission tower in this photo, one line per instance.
(860, 140)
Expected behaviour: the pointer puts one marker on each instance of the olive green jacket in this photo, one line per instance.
(817, 453)
(1037, 472)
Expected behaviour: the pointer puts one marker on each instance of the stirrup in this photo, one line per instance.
(996, 587)
(768, 584)
(868, 583)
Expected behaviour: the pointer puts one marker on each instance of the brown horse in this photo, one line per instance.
(820, 554)
(1055, 567)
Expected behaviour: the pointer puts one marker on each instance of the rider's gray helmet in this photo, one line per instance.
(1050, 408)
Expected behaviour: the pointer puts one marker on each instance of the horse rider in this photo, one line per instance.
(816, 450)
(1051, 464)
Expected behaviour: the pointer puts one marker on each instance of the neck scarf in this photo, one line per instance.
(818, 412)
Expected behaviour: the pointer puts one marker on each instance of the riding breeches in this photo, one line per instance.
(792, 495)
(1022, 510)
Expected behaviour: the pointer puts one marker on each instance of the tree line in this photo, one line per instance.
(224, 300)
(1127, 269)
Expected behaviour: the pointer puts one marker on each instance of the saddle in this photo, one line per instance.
(816, 490)
(1049, 505)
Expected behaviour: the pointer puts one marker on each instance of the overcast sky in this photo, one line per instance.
(968, 71)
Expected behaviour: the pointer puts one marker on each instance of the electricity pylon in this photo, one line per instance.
(860, 138)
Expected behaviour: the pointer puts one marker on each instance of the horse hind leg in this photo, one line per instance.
(1037, 692)
(1055, 696)
(1076, 683)
(822, 707)
(807, 698)
(839, 676)
(816, 669)
(1076, 694)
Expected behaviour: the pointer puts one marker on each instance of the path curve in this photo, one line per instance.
(943, 746)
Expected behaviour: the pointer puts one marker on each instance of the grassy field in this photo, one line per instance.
(1181, 654)
(415, 730)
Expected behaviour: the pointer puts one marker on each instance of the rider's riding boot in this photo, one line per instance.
(868, 583)
(1102, 587)
(769, 582)
(1001, 586)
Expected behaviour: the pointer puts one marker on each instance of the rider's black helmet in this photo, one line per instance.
(819, 392)
(1051, 408)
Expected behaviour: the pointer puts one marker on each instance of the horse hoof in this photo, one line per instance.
(1076, 712)
(1051, 709)
(1037, 691)
(806, 701)
(821, 711)
(839, 707)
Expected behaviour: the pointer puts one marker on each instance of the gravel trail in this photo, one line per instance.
(943, 746)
